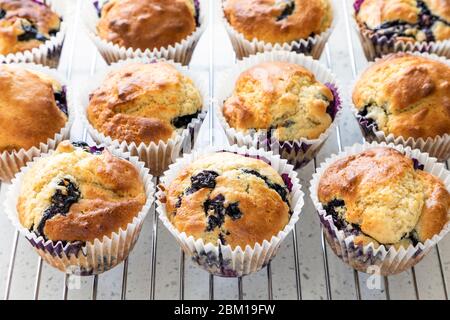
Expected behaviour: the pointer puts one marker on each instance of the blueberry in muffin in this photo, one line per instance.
(78, 194)
(25, 24)
(147, 24)
(282, 97)
(33, 108)
(406, 20)
(144, 103)
(383, 197)
(224, 196)
(278, 21)
(406, 95)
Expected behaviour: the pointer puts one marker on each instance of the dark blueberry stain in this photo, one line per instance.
(183, 121)
(287, 124)
(2, 13)
(216, 211)
(197, 13)
(204, 179)
(222, 238)
(288, 10)
(53, 32)
(60, 203)
(61, 100)
(368, 122)
(282, 191)
(398, 28)
(417, 165)
(83, 145)
(31, 33)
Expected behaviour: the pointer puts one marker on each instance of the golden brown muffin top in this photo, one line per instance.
(278, 21)
(224, 196)
(380, 194)
(25, 24)
(29, 112)
(76, 195)
(281, 96)
(408, 20)
(147, 24)
(144, 103)
(406, 95)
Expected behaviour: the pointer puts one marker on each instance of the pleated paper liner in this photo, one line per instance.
(12, 161)
(375, 46)
(438, 147)
(156, 156)
(385, 260)
(92, 257)
(312, 46)
(180, 52)
(297, 152)
(49, 52)
(222, 260)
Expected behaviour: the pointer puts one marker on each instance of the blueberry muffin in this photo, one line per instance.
(406, 95)
(383, 197)
(278, 21)
(25, 24)
(280, 96)
(228, 197)
(405, 20)
(33, 108)
(144, 103)
(79, 194)
(147, 24)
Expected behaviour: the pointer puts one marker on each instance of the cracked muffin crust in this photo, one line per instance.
(33, 108)
(278, 21)
(25, 24)
(406, 20)
(229, 197)
(144, 103)
(165, 22)
(405, 95)
(279, 96)
(79, 194)
(382, 196)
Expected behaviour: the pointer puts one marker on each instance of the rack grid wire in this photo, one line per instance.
(215, 285)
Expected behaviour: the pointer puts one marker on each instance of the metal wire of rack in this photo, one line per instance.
(182, 259)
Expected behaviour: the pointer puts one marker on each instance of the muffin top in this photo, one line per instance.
(406, 95)
(382, 196)
(25, 24)
(79, 194)
(147, 24)
(278, 21)
(224, 196)
(32, 108)
(144, 103)
(406, 20)
(279, 96)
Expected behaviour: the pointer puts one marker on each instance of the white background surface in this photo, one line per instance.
(79, 60)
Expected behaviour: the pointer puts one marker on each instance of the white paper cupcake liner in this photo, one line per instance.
(367, 258)
(180, 52)
(298, 152)
(219, 259)
(157, 156)
(375, 46)
(12, 161)
(438, 147)
(49, 52)
(312, 46)
(93, 257)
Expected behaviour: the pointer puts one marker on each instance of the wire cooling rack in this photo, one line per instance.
(305, 267)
